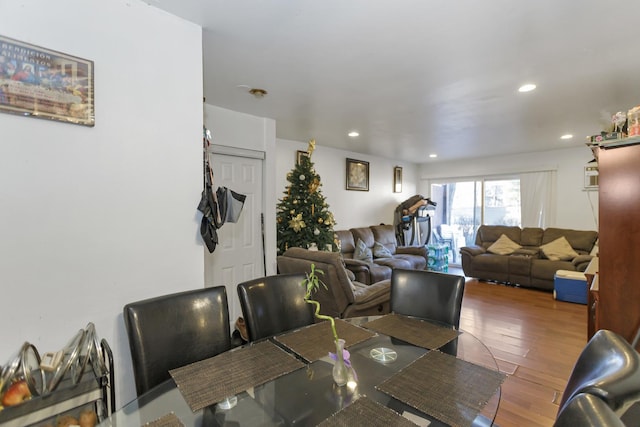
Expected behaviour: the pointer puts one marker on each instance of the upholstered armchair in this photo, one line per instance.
(343, 296)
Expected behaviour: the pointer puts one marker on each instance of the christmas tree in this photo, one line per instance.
(303, 217)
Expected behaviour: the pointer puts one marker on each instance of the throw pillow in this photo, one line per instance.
(503, 246)
(559, 250)
(362, 252)
(380, 251)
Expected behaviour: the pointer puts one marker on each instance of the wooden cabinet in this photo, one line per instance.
(618, 298)
(591, 273)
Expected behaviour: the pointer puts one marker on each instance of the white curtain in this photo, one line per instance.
(538, 199)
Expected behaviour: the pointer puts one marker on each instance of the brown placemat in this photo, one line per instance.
(414, 331)
(449, 389)
(316, 341)
(365, 412)
(211, 380)
(169, 420)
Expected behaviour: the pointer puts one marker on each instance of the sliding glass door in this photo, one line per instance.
(463, 205)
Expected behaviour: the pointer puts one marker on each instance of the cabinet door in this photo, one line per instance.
(619, 269)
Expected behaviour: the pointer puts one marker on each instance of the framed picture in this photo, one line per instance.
(397, 179)
(357, 175)
(42, 83)
(299, 155)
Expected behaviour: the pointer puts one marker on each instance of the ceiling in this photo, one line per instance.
(421, 77)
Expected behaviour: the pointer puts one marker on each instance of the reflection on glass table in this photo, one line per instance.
(308, 395)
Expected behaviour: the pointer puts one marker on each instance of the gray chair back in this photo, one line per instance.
(427, 294)
(171, 331)
(609, 368)
(587, 410)
(274, 304)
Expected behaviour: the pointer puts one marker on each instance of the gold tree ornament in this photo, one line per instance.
(313, 185)
(312, 146)
(330, 220)
(297, 223)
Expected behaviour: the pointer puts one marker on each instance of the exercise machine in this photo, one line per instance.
(412, 221)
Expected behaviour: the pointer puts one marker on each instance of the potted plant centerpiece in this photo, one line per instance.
(340, 369)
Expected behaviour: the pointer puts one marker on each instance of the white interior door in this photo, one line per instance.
(239, 254)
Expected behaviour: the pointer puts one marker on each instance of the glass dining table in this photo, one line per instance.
(404, 370)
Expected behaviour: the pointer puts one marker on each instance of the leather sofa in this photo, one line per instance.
(528, 265)
(378, 268)
(342, 296)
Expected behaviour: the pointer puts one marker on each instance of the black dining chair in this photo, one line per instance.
(171, 331)
(608, 368)
(587, 410)
(427, 294)
(274, 304)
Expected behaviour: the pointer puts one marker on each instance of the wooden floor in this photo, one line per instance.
(535, 339)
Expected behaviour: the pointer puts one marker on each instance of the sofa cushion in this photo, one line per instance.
(394, 262)
(385, 234)
(362, 252)
(346, 242)
(531, 236)
(546, 269)
(581, 241)
(487, 234)
(503, 246)
(559, 250)
(416, 262)
(365, 234)
(380, 251)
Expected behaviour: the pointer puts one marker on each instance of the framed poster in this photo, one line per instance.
(39, 82)
(397, 179)
(357, 175)
(300, 155)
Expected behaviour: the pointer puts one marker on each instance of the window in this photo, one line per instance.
(463, 205)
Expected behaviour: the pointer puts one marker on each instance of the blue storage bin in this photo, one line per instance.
(570, 286)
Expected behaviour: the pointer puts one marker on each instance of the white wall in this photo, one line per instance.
(350, 208)
(93, 218)
(577, 209)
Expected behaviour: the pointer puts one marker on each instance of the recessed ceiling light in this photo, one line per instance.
(353, 134)
(566, 136)
(527, 87)
(433, 156)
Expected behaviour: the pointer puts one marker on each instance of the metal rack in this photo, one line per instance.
(90, 390)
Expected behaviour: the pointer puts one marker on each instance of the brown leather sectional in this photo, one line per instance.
(527, 266)
(409, 257)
